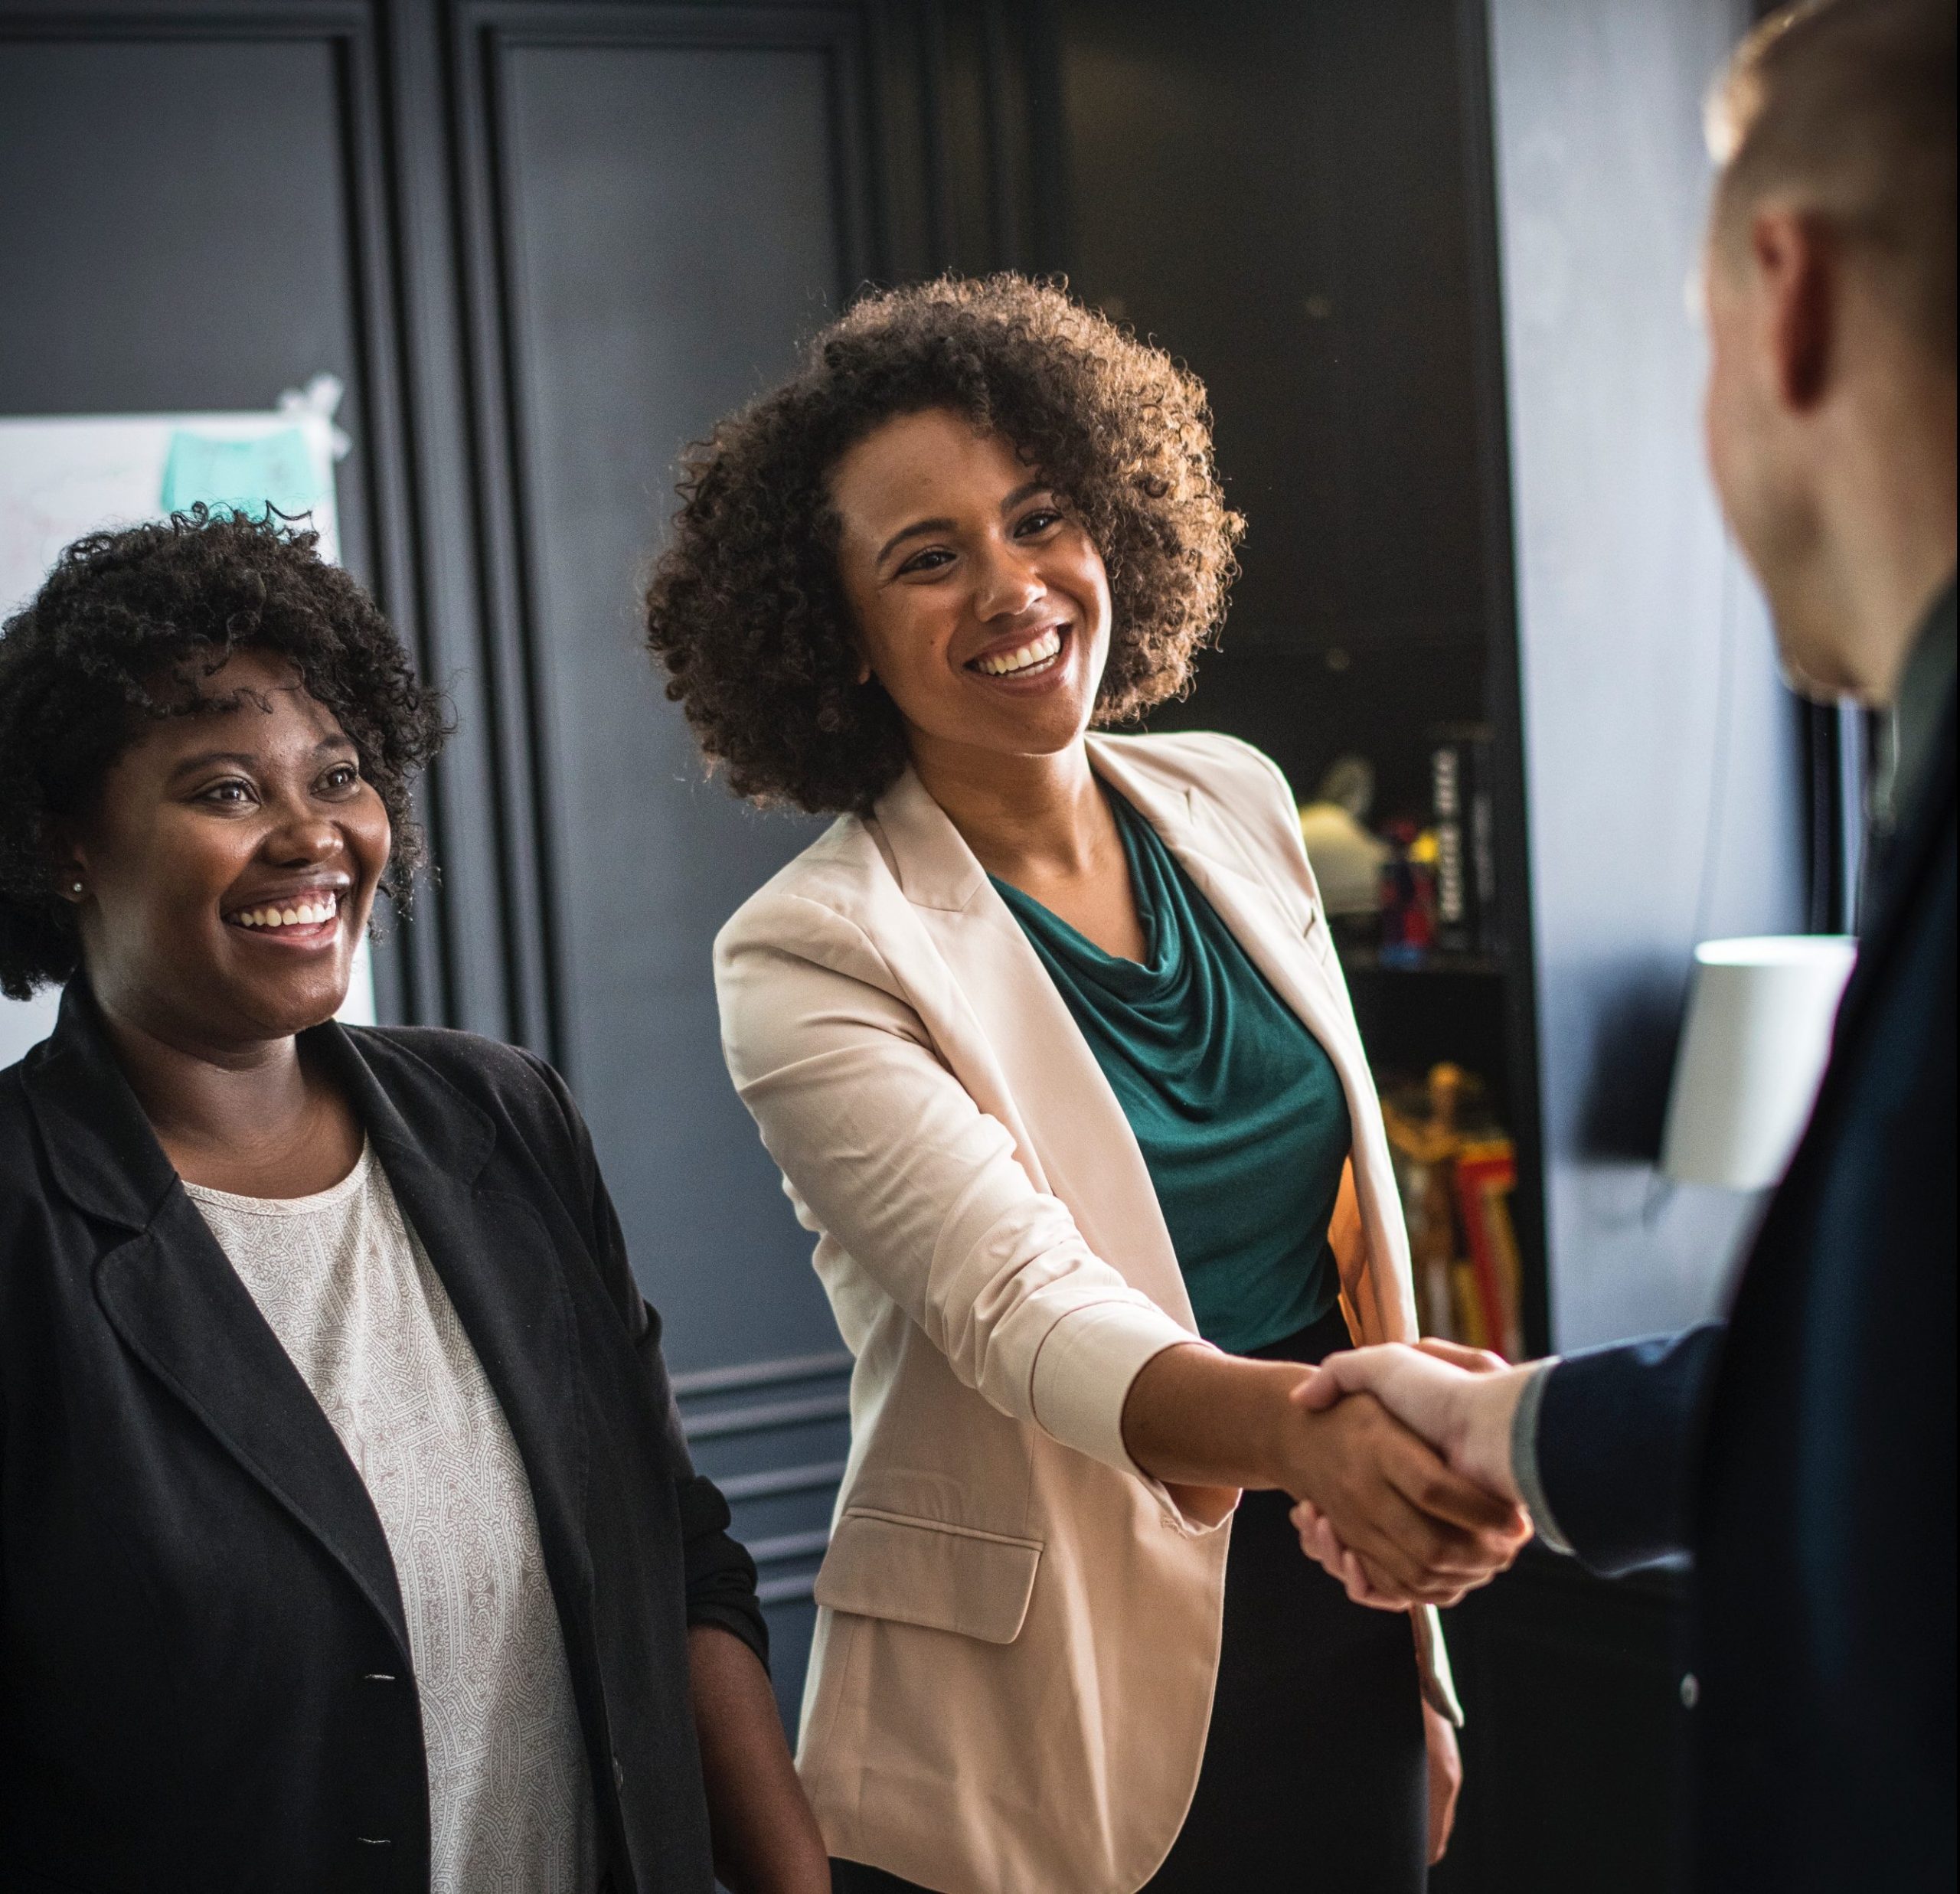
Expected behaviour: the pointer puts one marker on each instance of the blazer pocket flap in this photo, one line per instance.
(921, 1571)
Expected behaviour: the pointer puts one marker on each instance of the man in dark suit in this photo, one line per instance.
(1803, 1451)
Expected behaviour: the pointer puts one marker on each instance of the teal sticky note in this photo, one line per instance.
(244, 476)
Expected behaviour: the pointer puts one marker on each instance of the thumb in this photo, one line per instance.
(1326, 1384)
(1477, 1360)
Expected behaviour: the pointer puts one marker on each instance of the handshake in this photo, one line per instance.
(1424, 1506)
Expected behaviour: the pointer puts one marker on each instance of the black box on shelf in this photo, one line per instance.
(1460, 814)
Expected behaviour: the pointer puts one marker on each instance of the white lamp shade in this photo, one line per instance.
(1752, 1053)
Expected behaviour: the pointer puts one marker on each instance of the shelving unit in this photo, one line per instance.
(1345, 316)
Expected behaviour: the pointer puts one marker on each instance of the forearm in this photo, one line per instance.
(1195, 1418)
(1207, 1423)
(1616, 1443)
(766, 1839)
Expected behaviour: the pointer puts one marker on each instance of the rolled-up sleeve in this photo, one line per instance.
(890, 1157)
(718, 1574)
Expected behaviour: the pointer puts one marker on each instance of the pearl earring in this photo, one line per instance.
(77, 887)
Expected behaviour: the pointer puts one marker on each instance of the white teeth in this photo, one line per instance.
(301, 914)
(1036, 652)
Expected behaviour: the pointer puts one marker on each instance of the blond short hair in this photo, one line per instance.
(1845, 108)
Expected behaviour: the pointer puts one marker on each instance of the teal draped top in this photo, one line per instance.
(1237, 1107)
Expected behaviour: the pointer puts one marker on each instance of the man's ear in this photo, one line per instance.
(1796, 265)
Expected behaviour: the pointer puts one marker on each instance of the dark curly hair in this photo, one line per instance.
(746, 608)
(127, 628)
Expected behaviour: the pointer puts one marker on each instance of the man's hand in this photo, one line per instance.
(1461, 1400)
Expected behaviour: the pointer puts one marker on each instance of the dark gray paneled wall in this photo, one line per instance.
(545, 242)
(671, 227)
(140, 271)
(1660, 746)
(1275, 193)
(131, 173)
(544, 245)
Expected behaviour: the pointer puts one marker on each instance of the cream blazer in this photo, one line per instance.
(1017, 1629)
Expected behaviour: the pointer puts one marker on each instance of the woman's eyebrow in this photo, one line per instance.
(205, 759)
(1027, 490)
(337, 744)
(912, 532)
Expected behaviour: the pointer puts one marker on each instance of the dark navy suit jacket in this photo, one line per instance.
(1805, 1454)
(205, 1681)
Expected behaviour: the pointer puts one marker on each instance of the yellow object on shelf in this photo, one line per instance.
(1456, 1170)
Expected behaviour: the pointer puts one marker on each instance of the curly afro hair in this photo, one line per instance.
(746, 608)
(126, 629)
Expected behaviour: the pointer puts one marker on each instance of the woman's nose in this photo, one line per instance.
(304, 837)
(1007, 582)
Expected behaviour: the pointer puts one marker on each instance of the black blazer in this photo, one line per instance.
(204, 1673)
(1806, 1456)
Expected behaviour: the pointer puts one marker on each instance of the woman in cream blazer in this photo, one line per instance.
(893, 588)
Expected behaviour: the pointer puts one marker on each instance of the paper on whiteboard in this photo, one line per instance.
(63, 476)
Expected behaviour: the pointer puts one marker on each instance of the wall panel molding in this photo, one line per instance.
(761, 1455)
(378, 525)
(485, 36)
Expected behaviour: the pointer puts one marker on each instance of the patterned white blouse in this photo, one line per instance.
(349, 1291)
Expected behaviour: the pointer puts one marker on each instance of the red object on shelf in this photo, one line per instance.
(1485, 1175)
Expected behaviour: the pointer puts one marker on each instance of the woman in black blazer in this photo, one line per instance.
(239, 1646)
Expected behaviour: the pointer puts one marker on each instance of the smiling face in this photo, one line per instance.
(981, 605)
(229, 866)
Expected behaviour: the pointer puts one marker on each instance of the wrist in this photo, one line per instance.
(1196, 1417)
(1293, 1447)
(1482, 1450)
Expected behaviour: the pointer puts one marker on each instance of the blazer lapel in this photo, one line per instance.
(1009, 1035)
(1907, 860)
(179, 1307)
(168, 1291)
(1231, 882)
(499, 1267)
(1900, 888)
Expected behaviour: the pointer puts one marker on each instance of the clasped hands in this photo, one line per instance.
(1425, 1507)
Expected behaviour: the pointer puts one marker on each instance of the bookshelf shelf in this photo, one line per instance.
(1365, 963)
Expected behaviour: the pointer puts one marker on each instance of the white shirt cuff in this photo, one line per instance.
(1524, 1457)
